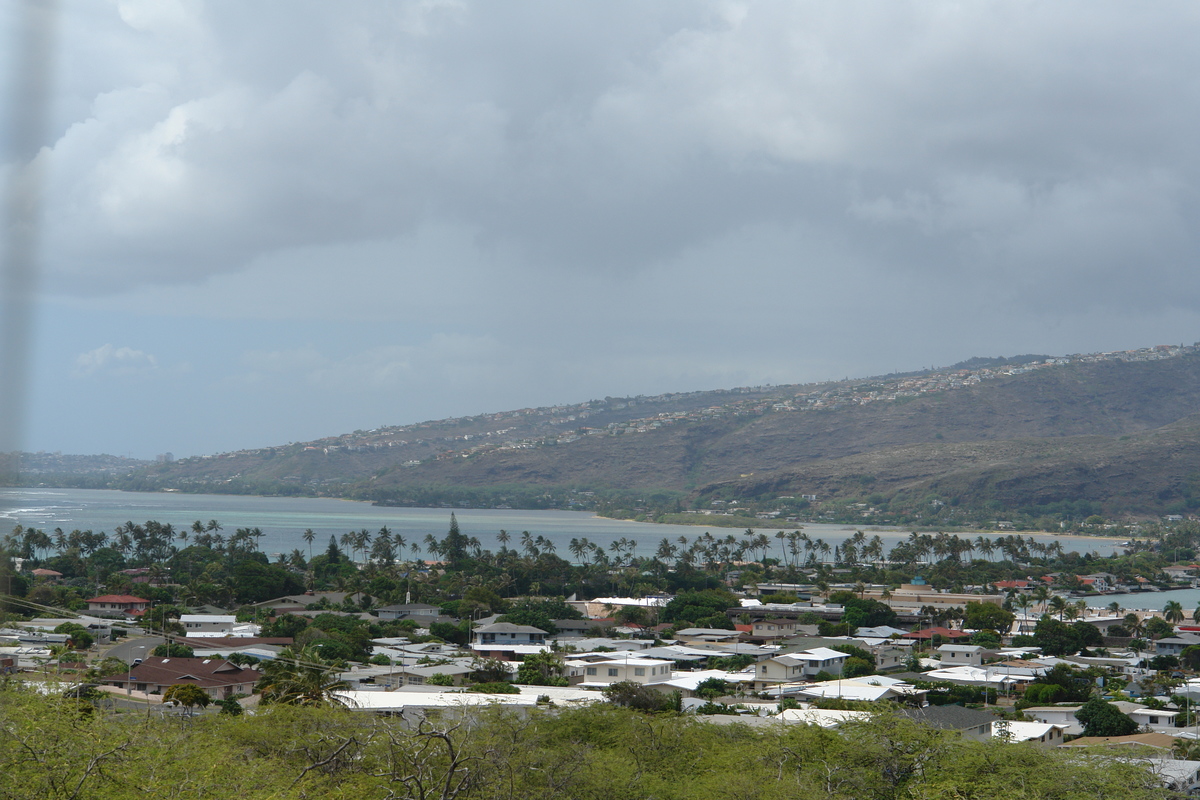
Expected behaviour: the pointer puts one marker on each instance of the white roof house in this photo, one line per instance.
(617, 670)
(823, 717)
(211, 624)
(419, 697)
(871, 687)
(1044, 733)
(687, 682)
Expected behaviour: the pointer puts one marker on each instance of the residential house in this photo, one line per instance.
(618, 670)
(1174, 645)
(1043, 734)
(219, 678)
(201, 624)
(1147, 717)
(686, 683)
(773, 628)
(421, 612)
(889, 658)
(419, 675)
(117, 605)
(927, 634)
(870, 688)
(961, 654)
(699, 635)
(1061, 716)
(295, 602)
(507, 641)
(804, 665)
(969, 722)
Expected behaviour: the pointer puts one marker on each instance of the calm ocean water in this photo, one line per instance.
(284, 519)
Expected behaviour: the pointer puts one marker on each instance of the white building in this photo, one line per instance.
(208, 624)
(634, 669)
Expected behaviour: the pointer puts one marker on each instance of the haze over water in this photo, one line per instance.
(284, 519)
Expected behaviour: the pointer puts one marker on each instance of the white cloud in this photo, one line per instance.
(109, 360)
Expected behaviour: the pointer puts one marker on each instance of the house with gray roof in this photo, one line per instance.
(971, 723)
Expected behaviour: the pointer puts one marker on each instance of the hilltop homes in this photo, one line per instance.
(216, 676)
(800, 666)
(117, 605)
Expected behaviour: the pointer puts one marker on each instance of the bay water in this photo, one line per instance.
(283, 521)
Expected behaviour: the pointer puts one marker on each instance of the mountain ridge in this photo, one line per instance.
(1024, 432)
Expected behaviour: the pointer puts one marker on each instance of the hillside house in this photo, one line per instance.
(961, 654)
(800, 666)
(219, 678)
(117, 605)
(618, 670)
(208, 624)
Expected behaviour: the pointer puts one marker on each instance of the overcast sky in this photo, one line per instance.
(270, 222)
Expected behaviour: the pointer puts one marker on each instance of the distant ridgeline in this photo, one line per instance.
(1024, 441)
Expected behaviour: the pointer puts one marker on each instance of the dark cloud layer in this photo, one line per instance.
(452, 206)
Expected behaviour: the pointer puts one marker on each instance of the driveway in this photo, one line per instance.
(135, 648)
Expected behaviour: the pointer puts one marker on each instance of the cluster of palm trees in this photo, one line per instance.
(26, 542)
(1045, 601)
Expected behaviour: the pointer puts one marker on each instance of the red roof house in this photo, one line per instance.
(929, 633)
(111, 605)
(218, 677)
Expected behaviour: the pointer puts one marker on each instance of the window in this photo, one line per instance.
(639, 672)
(612, 672)
(591, 670)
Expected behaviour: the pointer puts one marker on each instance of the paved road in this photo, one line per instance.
(135, 648)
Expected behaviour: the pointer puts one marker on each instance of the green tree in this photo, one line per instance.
(986, 616)
(81, 637)
(704, 608)
(542, 669)
(712, 688)
(629, 694)
(230, 707)
(1159, 628)
(540, 613)
(173, 650)
(1101, 718)
(1056, 638)
(188, 695)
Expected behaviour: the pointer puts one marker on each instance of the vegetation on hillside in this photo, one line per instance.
(59, 749)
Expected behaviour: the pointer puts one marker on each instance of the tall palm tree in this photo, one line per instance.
(1042, 594)
(301, 678)
(1057, 605)
(1173, 612)
(309, 535)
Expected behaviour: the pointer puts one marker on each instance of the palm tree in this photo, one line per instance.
(300, 678)
(1057, 605)
(1042, 594)
(1173, 612)
(503, 537)
(309, 536)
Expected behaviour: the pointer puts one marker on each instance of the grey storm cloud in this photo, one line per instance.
(1013, 137)
(461, 206)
